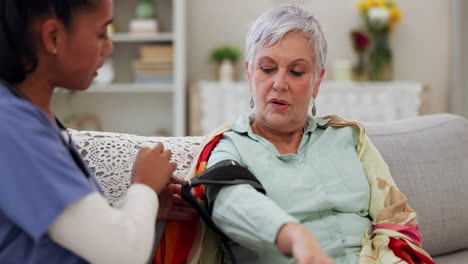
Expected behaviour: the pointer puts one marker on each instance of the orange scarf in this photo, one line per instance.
(177, 241)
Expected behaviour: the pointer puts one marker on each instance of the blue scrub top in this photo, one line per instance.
(38, 180)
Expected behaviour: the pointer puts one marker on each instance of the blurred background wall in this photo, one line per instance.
(421, 42)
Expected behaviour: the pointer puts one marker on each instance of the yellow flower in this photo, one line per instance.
(391, 4)
(395, 17)
(362, 6)
(370, 3)
(380, 3)
(395, 14)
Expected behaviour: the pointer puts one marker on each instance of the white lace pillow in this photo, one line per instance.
(111, 156)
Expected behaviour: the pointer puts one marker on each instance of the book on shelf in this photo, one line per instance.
(155, 64)
(145, 65)
(141, 68)
(153, 73)
(157, 53)
(153, 79)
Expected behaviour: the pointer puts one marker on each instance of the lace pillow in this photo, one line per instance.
(111, 156)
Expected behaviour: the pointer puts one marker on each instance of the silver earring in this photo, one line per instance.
(251, 102)
(314, 109)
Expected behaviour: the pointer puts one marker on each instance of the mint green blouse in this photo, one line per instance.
(323, 187)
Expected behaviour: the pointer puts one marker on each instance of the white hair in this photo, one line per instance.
(274, 24)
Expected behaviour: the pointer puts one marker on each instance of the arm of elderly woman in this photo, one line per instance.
(261, 225)
(296, 240)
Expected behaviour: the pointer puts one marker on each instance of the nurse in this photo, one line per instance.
(51, 207)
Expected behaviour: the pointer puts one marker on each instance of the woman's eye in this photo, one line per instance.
(267, 70)
(103, 35)
(296, 73)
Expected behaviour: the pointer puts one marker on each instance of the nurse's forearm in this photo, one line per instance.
(249, 217)
(100, 233)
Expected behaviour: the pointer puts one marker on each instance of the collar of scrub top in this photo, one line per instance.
(66, 139)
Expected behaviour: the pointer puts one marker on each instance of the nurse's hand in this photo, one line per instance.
(171, 205)
(296, 240)
(152, 167)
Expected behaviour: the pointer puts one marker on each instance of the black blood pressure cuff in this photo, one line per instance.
(224, 173)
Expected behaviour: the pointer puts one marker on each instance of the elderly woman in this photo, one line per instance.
(329, 195)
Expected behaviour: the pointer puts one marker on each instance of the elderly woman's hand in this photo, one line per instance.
(171, 205)
(294, 239)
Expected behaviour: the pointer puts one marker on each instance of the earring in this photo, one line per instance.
(54, 51)
(252, 104)
(314, 109)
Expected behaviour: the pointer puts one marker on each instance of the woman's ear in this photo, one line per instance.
(317, 83)
(247, 70)
(249, 76)
(49, 33)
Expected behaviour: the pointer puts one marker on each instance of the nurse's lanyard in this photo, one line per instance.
(66, 142)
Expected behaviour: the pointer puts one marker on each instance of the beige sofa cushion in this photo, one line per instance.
(428, 158)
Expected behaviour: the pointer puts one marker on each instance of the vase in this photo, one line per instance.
(226, 71)
(360, 68)
(380, 58)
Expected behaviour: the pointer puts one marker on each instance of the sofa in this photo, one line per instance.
(427, 156)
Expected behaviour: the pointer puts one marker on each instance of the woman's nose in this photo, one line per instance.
(280, 82)
(108, 47)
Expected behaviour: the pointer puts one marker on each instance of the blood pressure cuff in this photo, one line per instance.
(224, 173)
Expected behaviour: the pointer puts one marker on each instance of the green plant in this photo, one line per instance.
(225, 52)
(145, 9)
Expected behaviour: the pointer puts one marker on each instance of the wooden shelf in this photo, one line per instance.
(138, 108)
(131, 37)
(132, 88)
